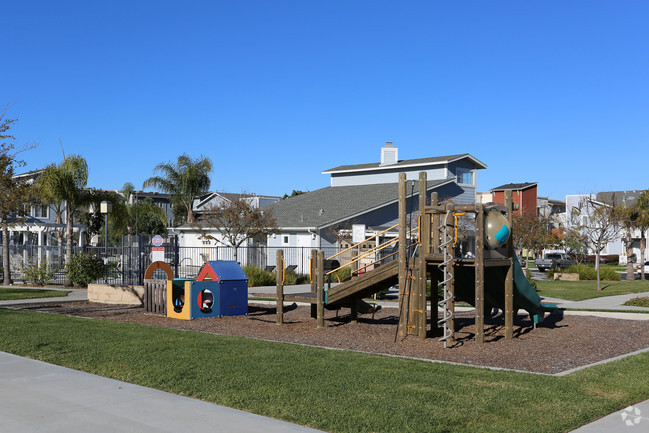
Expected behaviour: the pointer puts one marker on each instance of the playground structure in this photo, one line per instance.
(220, 289)
(492, 279)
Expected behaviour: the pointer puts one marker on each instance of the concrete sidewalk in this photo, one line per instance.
(73, 296)
(603, 303)
(44, 398)
(633, 418)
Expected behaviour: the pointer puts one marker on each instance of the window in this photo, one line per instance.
(40, 211)
(285, 240)
(464, 176)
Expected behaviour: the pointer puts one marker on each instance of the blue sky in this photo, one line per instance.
(275, 92)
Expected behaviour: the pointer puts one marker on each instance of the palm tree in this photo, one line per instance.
(45, 184)
(184, 181)
(65, 184)
(641, 214)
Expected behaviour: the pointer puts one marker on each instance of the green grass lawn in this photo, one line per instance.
(331, 390)
(12, 293)
(581, 290)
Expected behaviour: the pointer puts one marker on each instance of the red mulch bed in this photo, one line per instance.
(559, 343)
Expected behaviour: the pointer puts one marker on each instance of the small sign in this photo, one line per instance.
(158, 254)
(157, 241)
(358, 233)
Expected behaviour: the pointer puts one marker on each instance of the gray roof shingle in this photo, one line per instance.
(514, 186)
(330, 205)
(406, 162)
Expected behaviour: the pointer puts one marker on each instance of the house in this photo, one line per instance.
(367, 194)
(578, 214)
(188, 236)
(625, 198)
(35, 233)
(523, 194)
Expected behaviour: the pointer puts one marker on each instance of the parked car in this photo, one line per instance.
(522, 261)
(646, 269)
(554, 261)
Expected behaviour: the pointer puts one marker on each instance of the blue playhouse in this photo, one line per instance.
(220, 289)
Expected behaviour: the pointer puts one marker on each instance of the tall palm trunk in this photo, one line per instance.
(59, 238)
(643, 247)
(6, 262)
(69, 242)
(629, 252)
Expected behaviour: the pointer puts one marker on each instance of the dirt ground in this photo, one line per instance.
(559, 343)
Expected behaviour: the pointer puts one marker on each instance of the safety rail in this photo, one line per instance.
(372, 250)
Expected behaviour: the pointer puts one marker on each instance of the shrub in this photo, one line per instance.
(344, 274)
(259, 277)
(608, 274)
(39, 275)
(588, 273)
(528, 275)
(293, 278)
(84, 268)
(641, 301)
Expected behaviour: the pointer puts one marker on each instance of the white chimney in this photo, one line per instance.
(389, 154)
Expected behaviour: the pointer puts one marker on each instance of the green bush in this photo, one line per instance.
(609, 274)
(258, 277)
(528, 275)
(293, 278)
(588, 273)
(39, 275)
(640, 301)
(84, 268)
(344, 274)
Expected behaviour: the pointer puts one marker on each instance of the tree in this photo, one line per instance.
(184, 181)
(295, 193)
(598, 223)
(137, 217)
(627, 221)
(235, 221)
(531, 232)
(65, 183)
(640, 212)
(13, 193)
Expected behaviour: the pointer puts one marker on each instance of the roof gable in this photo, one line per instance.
(438, 160)
(515, 186)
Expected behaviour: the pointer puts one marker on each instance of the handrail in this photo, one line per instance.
(372, 251)
(365, 240)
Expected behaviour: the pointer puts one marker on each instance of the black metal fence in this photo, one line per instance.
(126, 263)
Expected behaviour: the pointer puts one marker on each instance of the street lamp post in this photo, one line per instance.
(106, 208)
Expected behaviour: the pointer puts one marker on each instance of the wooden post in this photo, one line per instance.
(354, 310)
(419, 319)
(280, 286)
(434, 273)
(479, 274)
(509, 281)
(403, 277)
(312, 274)
(320, 289)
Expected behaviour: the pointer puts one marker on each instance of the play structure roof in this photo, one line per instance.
(221, 270)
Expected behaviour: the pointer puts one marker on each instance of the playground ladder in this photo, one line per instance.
(447, 314)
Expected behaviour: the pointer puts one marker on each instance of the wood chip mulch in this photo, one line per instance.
(559, 343)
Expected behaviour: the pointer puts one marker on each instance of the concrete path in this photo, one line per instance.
(44, 398)
(603, 303)
(632, 419)
(73, 296)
